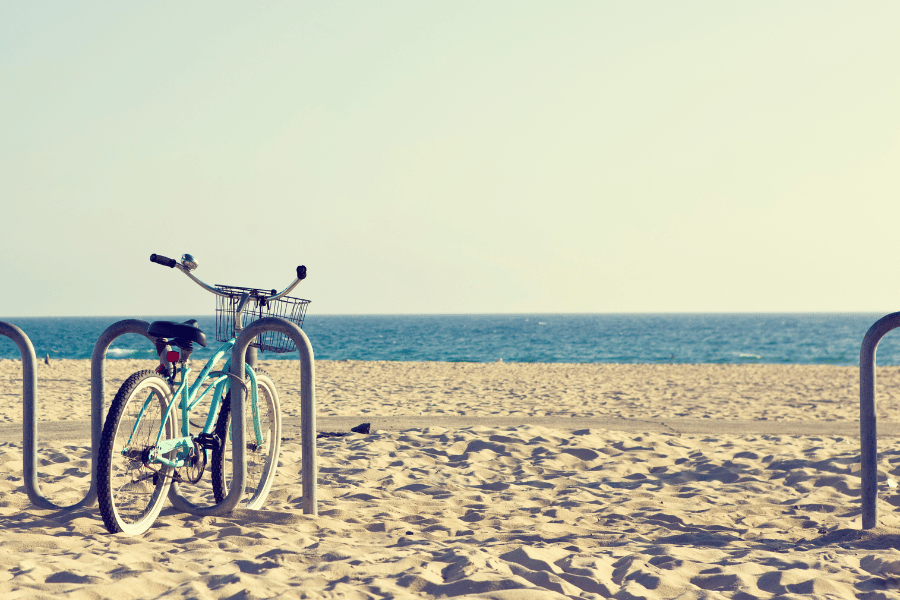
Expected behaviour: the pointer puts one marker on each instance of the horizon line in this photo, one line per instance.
(496, 313)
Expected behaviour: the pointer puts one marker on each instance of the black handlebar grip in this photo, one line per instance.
(301, 272)
(163, 260)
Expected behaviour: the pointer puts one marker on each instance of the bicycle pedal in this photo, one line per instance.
(208, 441)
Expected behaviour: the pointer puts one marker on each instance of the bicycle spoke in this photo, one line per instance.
(262, 452)
(131, 488)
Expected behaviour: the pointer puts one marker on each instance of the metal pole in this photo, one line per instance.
(98, 387)
(29, 408)
(238, 432)
(29, 417)
(867, 425)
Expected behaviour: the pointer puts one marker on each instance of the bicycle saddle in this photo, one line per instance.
(189, 331)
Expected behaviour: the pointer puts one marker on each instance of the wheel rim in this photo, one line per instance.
(261, 457)
(135, 484)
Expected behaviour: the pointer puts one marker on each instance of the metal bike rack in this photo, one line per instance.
(238, 445)
(98, 385)
(29, 407)
(867, 429)
(29, 418)
(241, 353)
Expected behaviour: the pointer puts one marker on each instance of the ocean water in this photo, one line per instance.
(832, 339)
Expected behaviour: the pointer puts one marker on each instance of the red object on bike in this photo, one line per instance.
(172, 356)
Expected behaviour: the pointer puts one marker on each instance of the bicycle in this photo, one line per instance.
(147, 443)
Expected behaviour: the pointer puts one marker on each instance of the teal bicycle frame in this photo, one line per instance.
(187, 398)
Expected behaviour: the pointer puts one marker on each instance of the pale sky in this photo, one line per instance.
(452, 157)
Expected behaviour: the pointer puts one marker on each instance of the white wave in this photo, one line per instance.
(120, 351)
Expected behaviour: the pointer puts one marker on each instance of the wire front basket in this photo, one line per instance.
(258, 306)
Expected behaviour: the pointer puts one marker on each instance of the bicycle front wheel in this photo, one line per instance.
(131, 488)
(262, 449)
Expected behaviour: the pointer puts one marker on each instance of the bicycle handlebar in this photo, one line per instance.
(163, 260)
(173, 264)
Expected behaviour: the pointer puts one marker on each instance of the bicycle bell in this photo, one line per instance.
(188, 262)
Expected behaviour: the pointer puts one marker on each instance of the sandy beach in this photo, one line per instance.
(502, 512)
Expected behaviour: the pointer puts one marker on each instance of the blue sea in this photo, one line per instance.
(805, 339)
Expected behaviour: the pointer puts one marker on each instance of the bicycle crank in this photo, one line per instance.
(194, 465)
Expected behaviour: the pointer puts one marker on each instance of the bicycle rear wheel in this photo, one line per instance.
(262, 453)
(131, 490)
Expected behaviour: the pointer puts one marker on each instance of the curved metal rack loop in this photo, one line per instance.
(98, 386)
(29, 420)
(867, 421)
(29, 407)
(239, 447)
